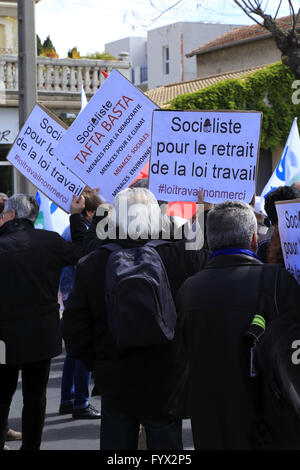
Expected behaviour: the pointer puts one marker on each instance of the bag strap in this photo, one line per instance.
(111, 247)
(155, 243)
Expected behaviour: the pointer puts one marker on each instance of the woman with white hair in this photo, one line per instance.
(141, 385)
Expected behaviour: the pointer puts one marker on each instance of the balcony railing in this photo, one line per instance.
(62, 75)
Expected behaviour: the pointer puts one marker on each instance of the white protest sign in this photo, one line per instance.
(33, 155)
(212, 151)
(109, 142)
(289, 230)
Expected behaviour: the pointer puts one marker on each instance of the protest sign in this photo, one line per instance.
(212, 151)
(109, 142)
(289, 224)
(33, 155)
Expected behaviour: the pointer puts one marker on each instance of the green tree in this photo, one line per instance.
(48, 49)
(39, 46)
(47, 44)
(100, 56)
(74, 53)
(268, 90)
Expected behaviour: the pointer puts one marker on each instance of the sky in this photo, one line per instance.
(89, 24)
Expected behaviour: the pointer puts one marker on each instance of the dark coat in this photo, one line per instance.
(148, 382)
(218, 305)
(31, 261)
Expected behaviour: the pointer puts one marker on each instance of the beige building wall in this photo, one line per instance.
(8, 28)
(238, 57)
(8, 35)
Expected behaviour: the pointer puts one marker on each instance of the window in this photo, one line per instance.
(144, 74)
(166, 60)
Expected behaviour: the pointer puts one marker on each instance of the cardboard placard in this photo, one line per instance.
(288, 225)
(109, 142)
(33, 155)
(212, 151)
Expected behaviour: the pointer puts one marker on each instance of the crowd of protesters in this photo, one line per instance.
(215, 285)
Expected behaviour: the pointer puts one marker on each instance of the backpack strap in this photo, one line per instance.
(155, 243)
(265, 303)
(111, 247)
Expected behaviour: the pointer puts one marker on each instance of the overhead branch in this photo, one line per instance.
(287, 39)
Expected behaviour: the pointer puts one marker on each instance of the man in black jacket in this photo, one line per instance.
(142, 385)
(31, 261)
(218, 305)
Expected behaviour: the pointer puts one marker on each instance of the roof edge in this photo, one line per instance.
(251, 69)
(231, 44)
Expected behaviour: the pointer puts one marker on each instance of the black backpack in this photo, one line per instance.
(139, 303)
(275, 384)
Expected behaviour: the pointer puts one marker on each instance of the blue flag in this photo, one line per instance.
(288, 168)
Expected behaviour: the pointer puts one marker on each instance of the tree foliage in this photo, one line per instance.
(100, 56)
(74, 53)
(48, 49)
(268, 90)
(39, 46)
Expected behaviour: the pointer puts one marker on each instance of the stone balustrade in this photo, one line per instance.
(63, 76)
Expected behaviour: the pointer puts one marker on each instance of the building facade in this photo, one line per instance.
(58, 87)
(240, 48)
(9, 117)
(160, 59)
(167, 48)
(136, 47)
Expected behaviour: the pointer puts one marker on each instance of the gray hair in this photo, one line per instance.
(25, 207)
(137, 213)
(231, 224)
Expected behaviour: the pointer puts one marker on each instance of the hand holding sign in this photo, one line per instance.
(77, 205)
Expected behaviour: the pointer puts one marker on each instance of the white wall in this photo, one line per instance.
(115, 47)
(181, 38)
(137, 50)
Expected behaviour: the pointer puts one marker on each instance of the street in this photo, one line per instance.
(62, 432)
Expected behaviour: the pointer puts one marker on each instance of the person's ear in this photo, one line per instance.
(254, 243)
(90, 214)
